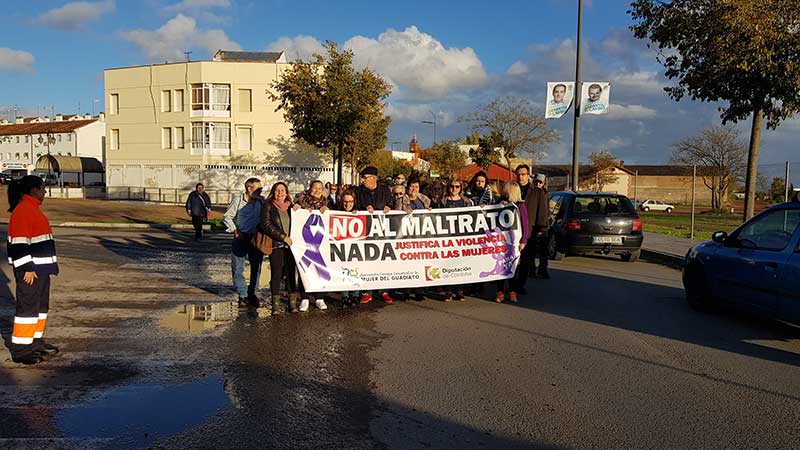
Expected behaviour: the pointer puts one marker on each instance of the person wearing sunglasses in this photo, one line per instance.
(454, 198)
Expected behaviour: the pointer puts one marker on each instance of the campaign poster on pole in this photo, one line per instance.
(595, 97)
(340, 251)
(559, 98)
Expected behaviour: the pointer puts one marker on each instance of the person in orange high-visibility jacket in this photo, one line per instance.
(32, 255)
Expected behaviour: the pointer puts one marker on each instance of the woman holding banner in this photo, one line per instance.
(276, 221)
(314, 199)
(348, 204)
(454, 198)
(511, 193)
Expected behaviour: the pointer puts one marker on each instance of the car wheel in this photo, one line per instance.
(698, 294)
(646, 209)
(669, 210)
(632, 257)
(552, 249)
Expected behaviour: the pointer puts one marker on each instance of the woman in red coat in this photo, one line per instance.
(32, 255)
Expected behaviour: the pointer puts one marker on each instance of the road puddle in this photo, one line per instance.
(137, 416)
(197, 318)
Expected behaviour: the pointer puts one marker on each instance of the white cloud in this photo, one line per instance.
(196, 5)
(418, 113)
(638, 83)
(299, 47)
(75, 15)
(414, 62)
(518, 68)
(624, 112)
(177, 36)
(16, 60)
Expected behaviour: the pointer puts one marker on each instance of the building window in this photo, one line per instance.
(166, 101)
(166, 138)
(69, 153)
(178, 107)
(211, 138)
(8, 156)
(16, 156)
(115, 139)
(211, 100)
(69, 137)
(179, 137)
(245, 100)
(113, 104)
(25, 156)
(58, 137)
(244, 138)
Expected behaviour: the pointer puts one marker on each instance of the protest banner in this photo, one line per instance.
(559, 98)
(595, 97)
(339, 251)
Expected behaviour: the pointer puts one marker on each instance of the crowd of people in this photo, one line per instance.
(252, 214)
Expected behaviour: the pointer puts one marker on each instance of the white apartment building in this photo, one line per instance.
(176, 124)
(23, 141)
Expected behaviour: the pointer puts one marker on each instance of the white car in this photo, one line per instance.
(655, 205)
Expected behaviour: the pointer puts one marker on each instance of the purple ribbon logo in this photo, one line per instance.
(313, 234)
(503, 261)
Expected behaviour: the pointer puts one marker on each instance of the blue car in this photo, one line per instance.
(755, 268)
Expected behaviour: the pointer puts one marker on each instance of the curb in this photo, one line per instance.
(159, 226)
(667, 259)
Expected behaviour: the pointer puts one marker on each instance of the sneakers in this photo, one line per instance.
(512, 297)
(304, 305)
(386, 297)
(500, 297)
(366, 298)
(321, 304)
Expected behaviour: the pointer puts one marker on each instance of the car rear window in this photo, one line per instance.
(602, 205)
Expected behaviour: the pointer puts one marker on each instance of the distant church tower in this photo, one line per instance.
(415, 148)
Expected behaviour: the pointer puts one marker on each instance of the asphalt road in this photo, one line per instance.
(604, 355)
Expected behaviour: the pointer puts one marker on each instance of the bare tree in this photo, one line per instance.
(602, 170)
(720, 155)
(523, 129)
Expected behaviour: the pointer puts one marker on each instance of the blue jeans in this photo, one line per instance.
(241, 250)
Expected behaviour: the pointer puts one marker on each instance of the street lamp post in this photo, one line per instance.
(434, 125)
(576, 127)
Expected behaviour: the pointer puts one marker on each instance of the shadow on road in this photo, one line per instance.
(655, 309)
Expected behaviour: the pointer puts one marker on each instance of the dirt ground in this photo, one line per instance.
(59, 210)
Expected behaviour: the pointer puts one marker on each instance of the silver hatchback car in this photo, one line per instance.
(756, 267)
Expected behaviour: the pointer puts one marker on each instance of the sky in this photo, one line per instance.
(441, 60)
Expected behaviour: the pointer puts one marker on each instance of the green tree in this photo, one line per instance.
(742, 52)
(488, 150)
(445, 158)
(369, 137)
(777, 190)
(523, 129)
(471, 139)
(388, 166)
(326, 99)
(600, 174)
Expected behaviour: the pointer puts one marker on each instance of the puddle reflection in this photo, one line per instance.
(201, 317)
(138, 416)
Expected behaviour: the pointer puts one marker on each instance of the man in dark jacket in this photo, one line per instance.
(198, 206)
(369, 195)
(538, 207)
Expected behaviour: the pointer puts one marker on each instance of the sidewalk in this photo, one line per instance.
(666, 247)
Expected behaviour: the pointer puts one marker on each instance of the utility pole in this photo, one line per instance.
(694, 183)
(576, 127)
(786, 184)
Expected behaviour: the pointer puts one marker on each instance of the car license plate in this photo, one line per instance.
(613, 240)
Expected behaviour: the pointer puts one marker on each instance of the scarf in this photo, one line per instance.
(284, 207)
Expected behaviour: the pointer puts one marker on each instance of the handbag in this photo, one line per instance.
(262, 242)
